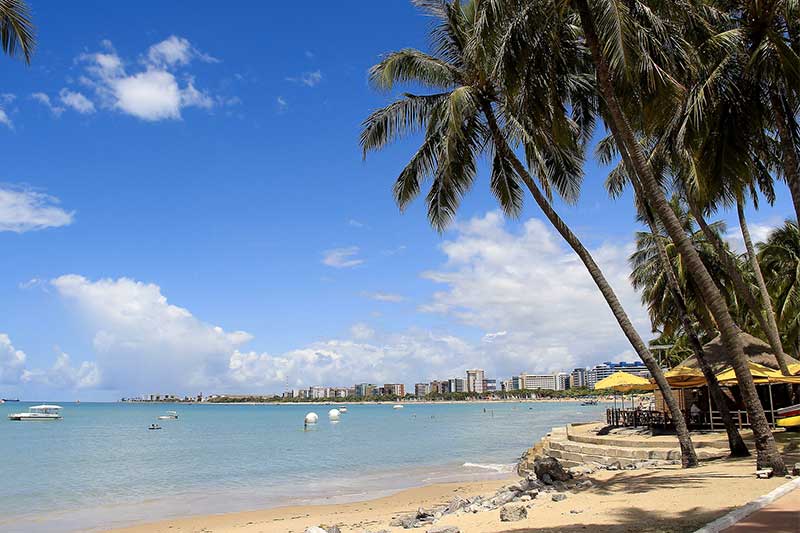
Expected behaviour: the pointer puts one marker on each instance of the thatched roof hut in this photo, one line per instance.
(757, 350)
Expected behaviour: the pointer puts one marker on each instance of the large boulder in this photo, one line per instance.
(525, 463)
(513, 513)
(549, 470)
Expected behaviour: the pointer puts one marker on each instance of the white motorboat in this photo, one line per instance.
(171, 415)
(343, 409)
(398, 406)
(39, 412)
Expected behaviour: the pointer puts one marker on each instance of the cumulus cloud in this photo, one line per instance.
(759, 231)
(342, 257)
(12, 361)
(24, 210)
(77, 101)
(62, 375)
(44, 99)
(283, 105)
(154, 93)
(528, 285)
(5, 119)
(384, 296)
(140, 339)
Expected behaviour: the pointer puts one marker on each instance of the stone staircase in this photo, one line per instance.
(575, 447)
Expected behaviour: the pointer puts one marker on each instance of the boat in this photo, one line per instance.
(397, 406)
(792, 410)
(343, 409)
(38, 412)
(171, 415)
(154, 426)
(589, 402)
(790, 422)
(10, 399)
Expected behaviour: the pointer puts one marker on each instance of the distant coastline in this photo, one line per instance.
(600, 399)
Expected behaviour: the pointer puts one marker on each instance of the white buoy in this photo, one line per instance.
(311, 418)
(333, 414)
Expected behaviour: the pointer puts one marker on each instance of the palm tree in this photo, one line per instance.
(614, 31)
(780, 259)
(16, 29)
(656, 268)
(474, 114)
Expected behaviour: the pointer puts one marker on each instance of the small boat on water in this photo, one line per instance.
(154, 426)
(343, 409)
(792, 410)
(10, 399)
(38, 413)
(589, 402)
(397, 406)
(171, 415)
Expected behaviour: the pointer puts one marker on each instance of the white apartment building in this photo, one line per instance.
(577, 378)
(422, 389)
(537, 381)
(475, 379)
(562, 381)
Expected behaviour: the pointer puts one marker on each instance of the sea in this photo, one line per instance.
(101, 467)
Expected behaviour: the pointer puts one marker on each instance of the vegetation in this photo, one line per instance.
(700, 101)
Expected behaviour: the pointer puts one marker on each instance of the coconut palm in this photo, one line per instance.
(631, 63)
(16, 29)
(780, 260)
(657, 268)
(473, 112)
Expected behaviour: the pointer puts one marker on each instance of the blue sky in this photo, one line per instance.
(186, 209)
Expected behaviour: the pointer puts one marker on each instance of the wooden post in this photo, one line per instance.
(710, 412)
(771, 408)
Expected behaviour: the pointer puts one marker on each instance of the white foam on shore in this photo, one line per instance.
(499, 468)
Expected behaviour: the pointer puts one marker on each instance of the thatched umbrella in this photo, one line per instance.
(755, 349)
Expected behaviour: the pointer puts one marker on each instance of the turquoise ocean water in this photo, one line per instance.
(100, 467)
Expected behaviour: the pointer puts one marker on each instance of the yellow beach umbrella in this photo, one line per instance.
(624, 382)
(794, 369)
(761, 374)
(685, 377)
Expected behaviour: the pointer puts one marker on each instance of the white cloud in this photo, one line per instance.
(530, 286)
(43, 99)
(309, 79)
(12, 361)
(23, 210)
(355, 223)
(342, 257)
(151, 94)
(361, 331)
(76, 101)
(174, 51)
(141, 341)
(490, 337)
(62, 375)
(384, 296)
(283, 105)
(5, 119)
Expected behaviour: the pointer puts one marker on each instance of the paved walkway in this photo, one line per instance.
(781, 516)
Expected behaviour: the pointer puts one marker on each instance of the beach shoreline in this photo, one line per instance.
(660, 499)
(600, 399)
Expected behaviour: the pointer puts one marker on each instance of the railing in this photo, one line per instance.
(740, 418)
(649, 417)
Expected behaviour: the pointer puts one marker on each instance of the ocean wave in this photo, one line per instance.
(499, 468)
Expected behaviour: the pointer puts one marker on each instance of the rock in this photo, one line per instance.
(525, 463)
(444, 529)
(546, 479)
(333, 529)
(406, 522)
(614, 466)
(513, 513)
(525, 498)
(576, 511)
(503, 498)
(315, 529)
(549, 467)
(558, 497)
(455, 504)
(533, 493)
(796, 469)
(585, 484)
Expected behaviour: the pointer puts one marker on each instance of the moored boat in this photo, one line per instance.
(38, 413)
(171, 415)
(397, 406)
(792, 410)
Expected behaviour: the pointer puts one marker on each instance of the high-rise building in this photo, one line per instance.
(508, 384)
(396, 389)
(602, 371)
(318, 392)
(365, 389)
(537, 381)
(489, 385)
(475, 380)
(562, 381)
(456, 385)
(577, 378)
(422, 389)
(440, 387)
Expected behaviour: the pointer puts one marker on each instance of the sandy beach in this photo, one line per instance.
(664, 499)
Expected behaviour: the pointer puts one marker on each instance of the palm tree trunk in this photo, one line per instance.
(766, 301)
(735, 442)
(767, 452)
(791, 165)
(688, 455)
(741, 287)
